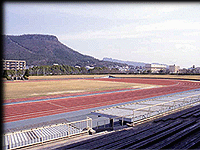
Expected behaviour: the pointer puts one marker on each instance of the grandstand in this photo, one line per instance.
(141, 111)
(180, 130)
(32, 136)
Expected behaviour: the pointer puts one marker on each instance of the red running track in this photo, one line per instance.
(23, 111)
(143, 81)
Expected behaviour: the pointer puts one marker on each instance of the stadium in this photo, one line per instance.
(106, 112)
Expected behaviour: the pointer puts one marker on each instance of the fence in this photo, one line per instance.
(47, 133)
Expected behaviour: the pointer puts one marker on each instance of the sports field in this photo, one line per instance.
(118, 75)
(13, 90)
(65, 77)
(44, 97)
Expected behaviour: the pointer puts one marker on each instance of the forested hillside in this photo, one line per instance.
(40, 50)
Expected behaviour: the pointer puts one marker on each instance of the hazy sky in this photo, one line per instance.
(167, 33)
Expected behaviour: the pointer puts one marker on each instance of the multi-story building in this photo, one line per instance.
(198, 69)
(14, 64)
(174, 68)
(184, 70)
(155, 68)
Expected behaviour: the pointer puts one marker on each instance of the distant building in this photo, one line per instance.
(14, 64)
(155, 68)
(198, 69)
(89, 67)
(184, 70)
(77, 66)
(194, 70)
(174, 68)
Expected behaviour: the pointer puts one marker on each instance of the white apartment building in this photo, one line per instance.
(174, 68)
(14, 64)
(155, 68)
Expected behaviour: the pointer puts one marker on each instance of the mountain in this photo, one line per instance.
(130, 63)
(37, 49)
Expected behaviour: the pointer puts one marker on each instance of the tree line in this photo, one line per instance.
(47, 70)
(56, 70)
(67, 70)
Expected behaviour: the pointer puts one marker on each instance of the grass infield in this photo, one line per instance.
(13, 90)
(25, 89)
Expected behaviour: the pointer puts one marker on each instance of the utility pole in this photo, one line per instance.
(44, 71)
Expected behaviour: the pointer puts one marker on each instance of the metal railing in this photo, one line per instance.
(47, 133)
(150, 112)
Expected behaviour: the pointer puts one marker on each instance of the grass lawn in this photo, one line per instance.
(26, 89)
(117, 75)
(64, 76)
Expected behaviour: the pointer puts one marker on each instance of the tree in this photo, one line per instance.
(26, 74)
(149, 71)
(5, 74)
(161, 71)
